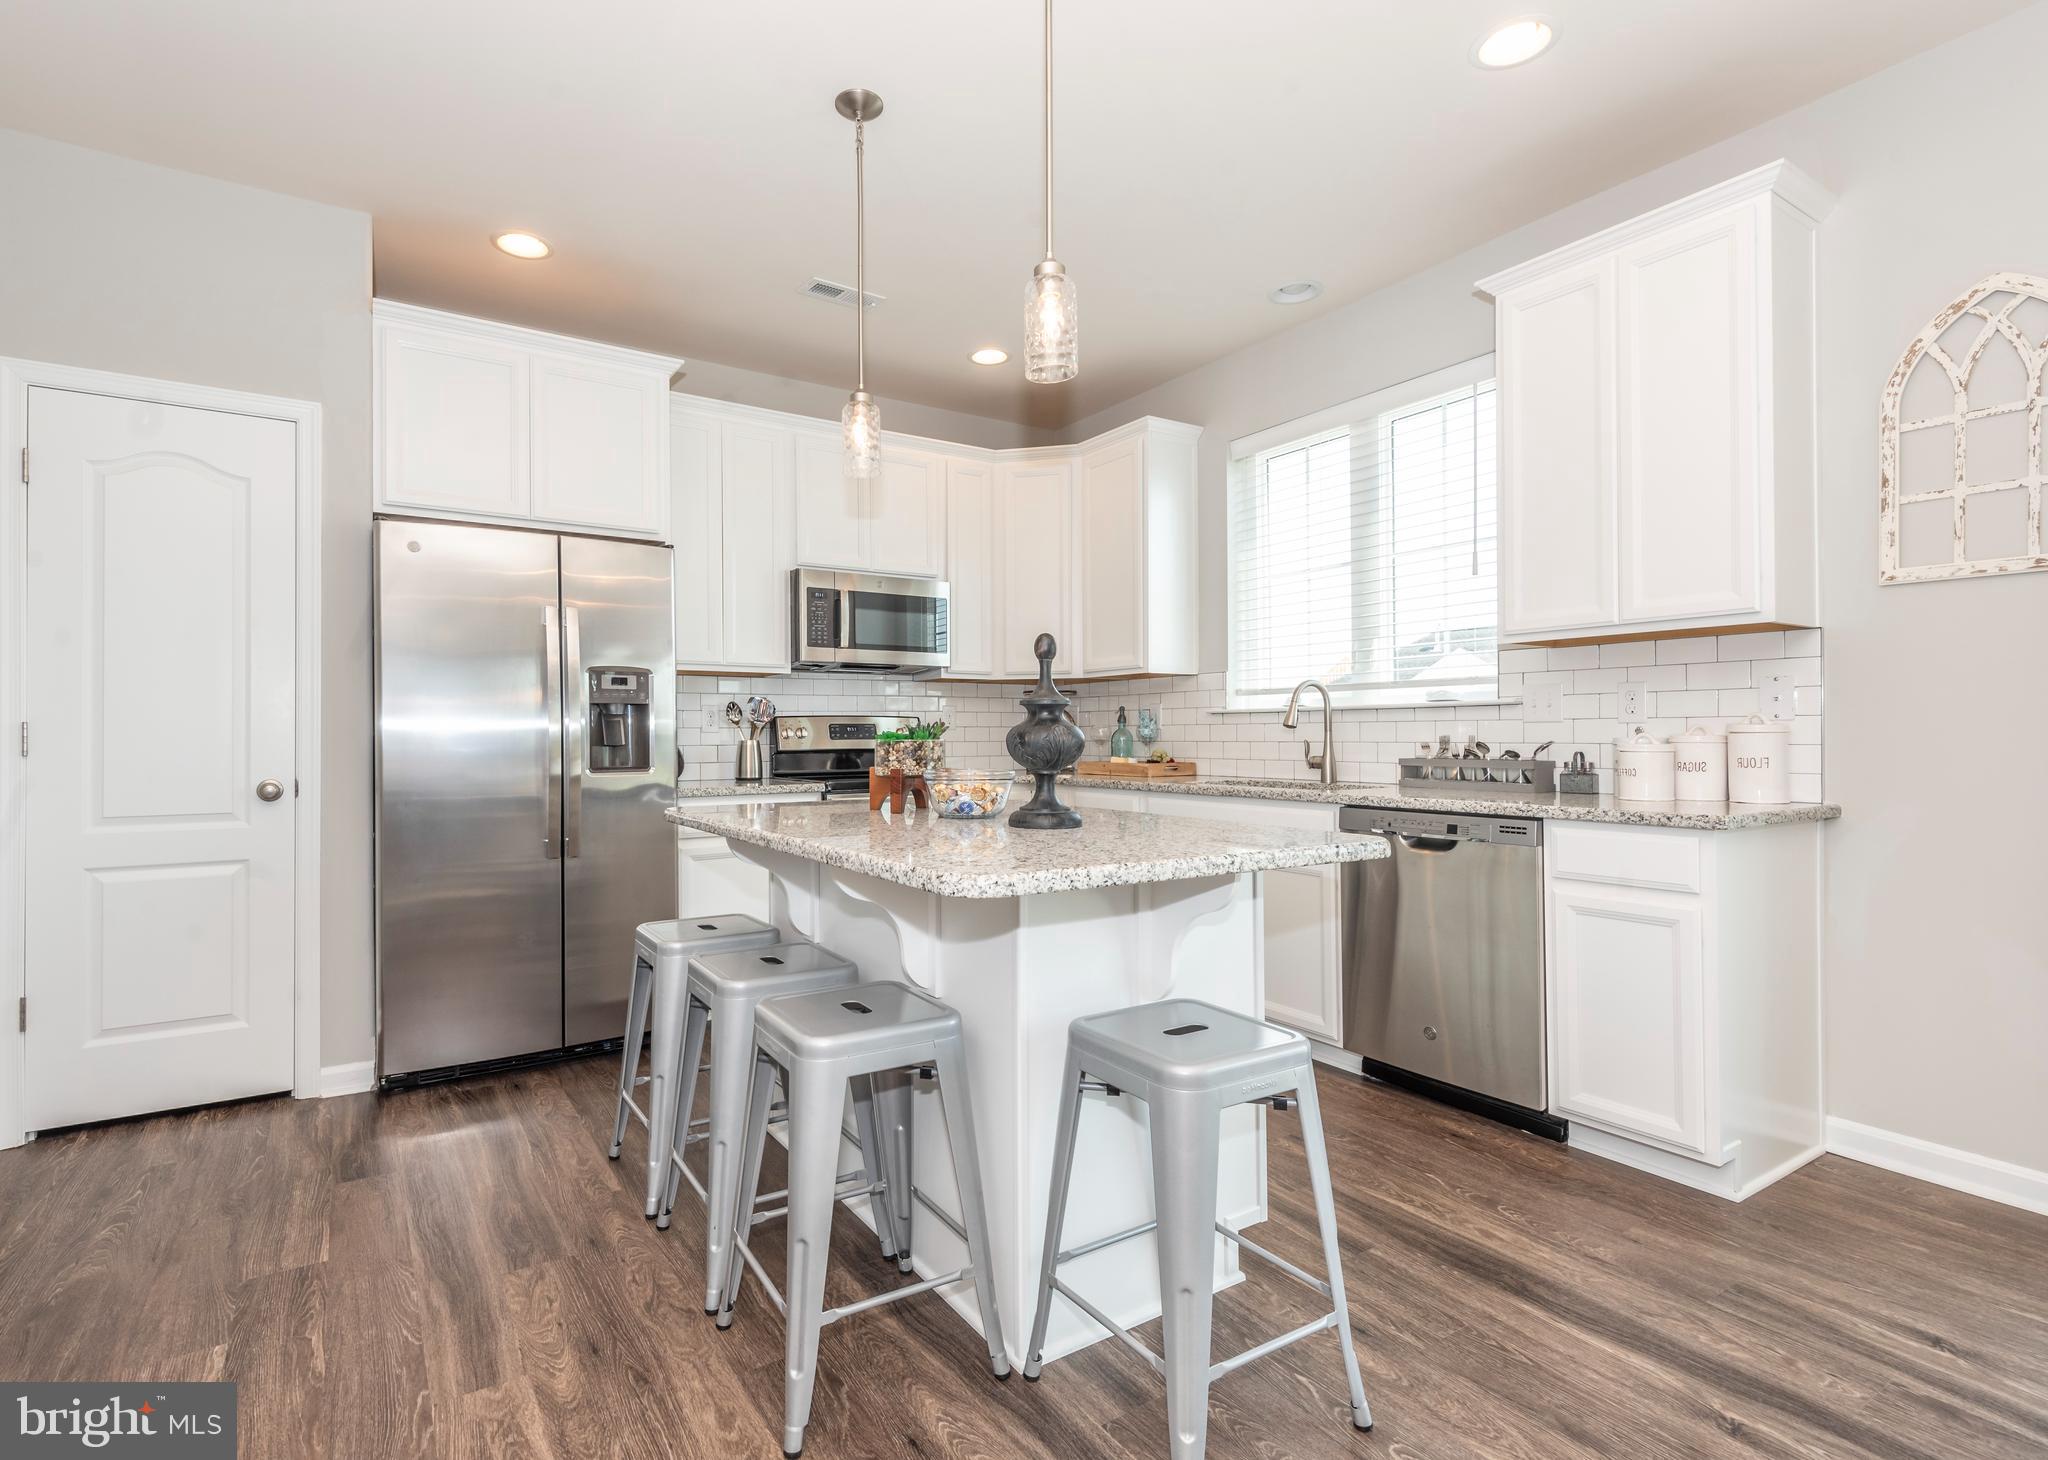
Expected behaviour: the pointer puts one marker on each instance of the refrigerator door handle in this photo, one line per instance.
(551, 709)
(572, 730)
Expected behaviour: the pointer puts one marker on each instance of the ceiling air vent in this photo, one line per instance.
(833, 293)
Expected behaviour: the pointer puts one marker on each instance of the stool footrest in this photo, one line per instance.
(1307, 1279)
(1272, 1345)
(894, 1295)
(938, 1211)
(1130, 1340)
(1101, 1242)
(767, 1283)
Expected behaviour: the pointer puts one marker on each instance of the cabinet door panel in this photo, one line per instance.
(756, 587)
(1556, 371)
(1034, 514)
(906, 514)
(712, 880)
(696, 512)
(597, 445)
(1110, 532)
(1301, 951)
(1688, 419)
(451, 423)
(970, 568)
(1628, 1015)
(831, 516)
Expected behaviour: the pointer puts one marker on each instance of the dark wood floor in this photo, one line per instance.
(461, 1272)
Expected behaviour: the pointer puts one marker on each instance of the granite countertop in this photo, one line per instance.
(704, 790)
(1475, 801)
(994, 859)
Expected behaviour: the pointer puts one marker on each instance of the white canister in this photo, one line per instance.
(1759, 761)
(1644, 768)
(1702, 765)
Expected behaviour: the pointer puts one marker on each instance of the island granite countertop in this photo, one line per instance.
(733, 790)
(994, 859)
(1479, 801)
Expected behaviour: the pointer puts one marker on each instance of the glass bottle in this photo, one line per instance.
(1121, 746)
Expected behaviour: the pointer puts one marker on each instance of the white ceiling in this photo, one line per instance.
(686, 163)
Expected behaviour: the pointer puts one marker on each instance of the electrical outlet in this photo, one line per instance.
(1632, 701)
(1543, 702)
(1777, 697)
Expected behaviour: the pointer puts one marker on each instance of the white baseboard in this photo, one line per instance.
(349, 1079)
(1984, 1176)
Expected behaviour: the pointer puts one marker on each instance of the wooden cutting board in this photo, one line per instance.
(1141, 770)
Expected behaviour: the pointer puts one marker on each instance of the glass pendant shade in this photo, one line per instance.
(862, 424)
(1051, 333)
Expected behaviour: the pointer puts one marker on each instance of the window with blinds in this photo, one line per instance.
(1362, 549)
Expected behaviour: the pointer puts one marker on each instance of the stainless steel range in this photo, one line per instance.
(836, 749)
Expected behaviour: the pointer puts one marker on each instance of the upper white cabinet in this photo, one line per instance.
(1134, 532)
(734, 519)
(1657, 468)
(1034, 521)
(493, 423)
(894, 522)
(1093, 544)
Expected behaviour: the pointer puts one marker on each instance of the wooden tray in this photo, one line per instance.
(1140, 770)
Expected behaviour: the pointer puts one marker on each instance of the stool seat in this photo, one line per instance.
(779, 968)
(1182, 1044)
(852, 1023)
(690, 935)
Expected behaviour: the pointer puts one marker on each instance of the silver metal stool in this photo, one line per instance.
(661, 952)
(820, 1042)
(1189, 1062)
(723, 990)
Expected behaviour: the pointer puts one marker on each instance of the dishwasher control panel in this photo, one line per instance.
(1502, 831)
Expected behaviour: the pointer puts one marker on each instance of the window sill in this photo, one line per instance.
(1339, 704)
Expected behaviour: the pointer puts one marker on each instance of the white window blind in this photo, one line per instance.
(1362, 548)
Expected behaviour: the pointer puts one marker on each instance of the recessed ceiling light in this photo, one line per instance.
(989, 356)
(522, 245)
(1298, 293)
(1513, 43)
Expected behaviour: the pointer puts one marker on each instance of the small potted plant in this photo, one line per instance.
(918, 750)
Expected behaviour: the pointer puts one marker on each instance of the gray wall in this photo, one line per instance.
(1936, 962)
(805, 398)
(116, 265)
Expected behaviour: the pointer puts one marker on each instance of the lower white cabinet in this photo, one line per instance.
(1684, 998)
(712, 879)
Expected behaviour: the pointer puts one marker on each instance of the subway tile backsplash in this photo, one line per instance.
(1703, 681)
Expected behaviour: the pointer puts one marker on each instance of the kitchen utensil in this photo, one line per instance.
(760, 710)
(733, 715)
(1759, 768)
(1702, 765)
(1645, 768)
(1537, 753)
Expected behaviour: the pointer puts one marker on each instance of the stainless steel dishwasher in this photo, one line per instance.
(1443, 961)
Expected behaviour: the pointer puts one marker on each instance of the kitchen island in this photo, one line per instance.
(1023, 932)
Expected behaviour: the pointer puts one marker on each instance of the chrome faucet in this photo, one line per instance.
(1327, 761)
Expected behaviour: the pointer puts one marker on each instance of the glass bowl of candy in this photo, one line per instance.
(969, 795)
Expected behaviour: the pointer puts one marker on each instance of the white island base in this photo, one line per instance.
(1019, 970)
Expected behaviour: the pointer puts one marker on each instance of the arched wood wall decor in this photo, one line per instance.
(1959, 439)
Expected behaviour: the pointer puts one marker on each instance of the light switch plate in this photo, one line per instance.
(1631, 701)
(1776, 698)
(1543, 702)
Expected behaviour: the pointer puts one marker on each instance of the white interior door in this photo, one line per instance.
(160, 703)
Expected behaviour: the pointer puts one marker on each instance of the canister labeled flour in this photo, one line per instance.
(1758, 756)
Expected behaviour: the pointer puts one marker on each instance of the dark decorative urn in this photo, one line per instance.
(1045, 743)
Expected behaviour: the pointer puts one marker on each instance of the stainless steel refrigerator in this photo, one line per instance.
(525, 706)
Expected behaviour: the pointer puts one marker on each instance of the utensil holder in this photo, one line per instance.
(1446, 772)
(746, 761)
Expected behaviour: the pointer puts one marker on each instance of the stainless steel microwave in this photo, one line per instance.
(864, 622)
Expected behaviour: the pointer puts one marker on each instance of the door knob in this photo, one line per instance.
(269, 790)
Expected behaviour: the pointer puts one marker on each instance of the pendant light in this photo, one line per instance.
(861, 421)
(1050, 339)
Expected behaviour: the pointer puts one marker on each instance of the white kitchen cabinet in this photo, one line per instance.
(487, 422)
(733, 514)
(712, 879)
(894, 522)
(1134, 531)
(1035, 563)
(1657, 465)
(1683, 997)
(971, 567)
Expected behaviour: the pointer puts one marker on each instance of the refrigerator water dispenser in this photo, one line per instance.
(619, 731)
